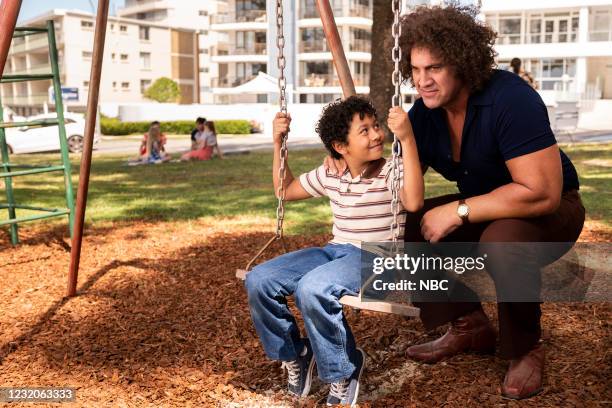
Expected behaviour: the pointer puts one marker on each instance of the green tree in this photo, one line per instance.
(163, 90)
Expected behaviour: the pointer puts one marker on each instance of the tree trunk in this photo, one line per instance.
(381, 67)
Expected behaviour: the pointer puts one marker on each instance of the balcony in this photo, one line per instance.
(346, 8)
(230, 82)
(33, 70)
(321, 80)
(248, 16)
(360, 45)
(34, 99)
(314, 46)
(31, 44)
(253, 49)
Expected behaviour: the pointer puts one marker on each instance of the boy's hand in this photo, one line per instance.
(335, 166)
(280, 126)
(399, 123)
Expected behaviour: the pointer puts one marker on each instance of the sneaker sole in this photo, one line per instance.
(308, 381)
(363, 355)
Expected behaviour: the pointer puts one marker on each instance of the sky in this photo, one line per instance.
(33, 8)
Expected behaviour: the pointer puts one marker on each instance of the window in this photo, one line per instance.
(123, 29)
(601, 25)
(144, 33)
(144, 84)
(85, 84)
(262, 98)
(114, 85)
(125, 85)
(203, 13)
(204, 70)
(86, 24)
(123, 57)
(313, 40)
(509, 29)
(361, 40)
(113, 56)
(145, 60)
(549, 72)
(112, 27)
(552, 27)
(86, 55)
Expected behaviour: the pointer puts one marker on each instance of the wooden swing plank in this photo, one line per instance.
(382, 307)
(357, 303)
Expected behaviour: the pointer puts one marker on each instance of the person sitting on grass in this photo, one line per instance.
(318, 277)
(206, 141)
(152, 148)
(200, 121)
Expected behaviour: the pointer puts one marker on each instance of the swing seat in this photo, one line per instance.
(356, 302)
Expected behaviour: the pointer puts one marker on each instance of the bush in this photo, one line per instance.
(113, 127)
(163, 90)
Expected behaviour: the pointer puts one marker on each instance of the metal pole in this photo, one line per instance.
(59, 110)
(9, 10)
(90, 125)
(335, 46)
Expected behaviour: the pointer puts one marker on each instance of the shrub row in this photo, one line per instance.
(114, 127)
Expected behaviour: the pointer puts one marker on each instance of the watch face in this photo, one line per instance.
(463, 210)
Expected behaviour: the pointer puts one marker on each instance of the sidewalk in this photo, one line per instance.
(178, 144)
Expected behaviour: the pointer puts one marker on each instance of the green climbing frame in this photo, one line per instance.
(10, 170)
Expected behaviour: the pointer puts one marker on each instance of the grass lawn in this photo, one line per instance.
(241, 186)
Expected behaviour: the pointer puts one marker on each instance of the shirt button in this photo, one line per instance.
(448, 157)
(465, 172)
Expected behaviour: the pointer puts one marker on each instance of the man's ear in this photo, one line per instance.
(340, 147)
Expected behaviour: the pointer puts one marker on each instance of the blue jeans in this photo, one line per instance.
(318, 277)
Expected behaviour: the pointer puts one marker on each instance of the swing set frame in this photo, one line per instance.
(9, 11)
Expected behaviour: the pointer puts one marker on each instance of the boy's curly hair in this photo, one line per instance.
(336, 119)
(453, 34)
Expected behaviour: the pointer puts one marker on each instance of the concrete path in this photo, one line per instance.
(178, 144)
(240, 144)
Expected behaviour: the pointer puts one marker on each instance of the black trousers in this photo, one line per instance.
(519, 323)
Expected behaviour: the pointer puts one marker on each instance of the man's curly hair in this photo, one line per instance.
(336, 119)
(453, 34)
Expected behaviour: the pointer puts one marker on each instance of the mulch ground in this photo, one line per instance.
(160, 321)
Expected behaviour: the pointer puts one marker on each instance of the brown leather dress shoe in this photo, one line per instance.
(472, 332)
(524, 376)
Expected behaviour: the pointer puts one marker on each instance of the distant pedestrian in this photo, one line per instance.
(206, 142)
(516, 68)
(200, 122)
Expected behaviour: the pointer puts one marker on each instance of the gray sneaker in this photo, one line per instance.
(345, 392)
(300, 372)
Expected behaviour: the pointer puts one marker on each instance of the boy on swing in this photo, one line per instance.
(318, 277)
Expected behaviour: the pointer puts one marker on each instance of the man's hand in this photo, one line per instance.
(280, 126)
(335, 166)
(440, 221)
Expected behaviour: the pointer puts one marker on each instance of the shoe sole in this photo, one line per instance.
(308, 382)
(363, 355)
(518, 398)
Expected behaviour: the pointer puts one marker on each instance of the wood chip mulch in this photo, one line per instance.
(160, 321)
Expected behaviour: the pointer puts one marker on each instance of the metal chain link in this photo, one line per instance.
(396, 100)
(282, 84)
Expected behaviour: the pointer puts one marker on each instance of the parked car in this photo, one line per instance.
(43, 139)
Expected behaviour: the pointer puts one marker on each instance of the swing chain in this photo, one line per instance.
(396, 55)
(282, 84)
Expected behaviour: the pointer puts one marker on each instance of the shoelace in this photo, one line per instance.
(339, 389)
(293, 370)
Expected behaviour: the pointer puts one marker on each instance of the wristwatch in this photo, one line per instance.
(463, 211)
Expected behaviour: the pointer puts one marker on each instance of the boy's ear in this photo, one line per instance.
(340, 147)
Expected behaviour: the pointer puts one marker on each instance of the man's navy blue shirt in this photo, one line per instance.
(506, 119)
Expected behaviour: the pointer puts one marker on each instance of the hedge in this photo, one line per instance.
(114, 127)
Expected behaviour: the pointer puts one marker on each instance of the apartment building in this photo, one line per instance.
(565, 44)
(193, 15)
(250, 47)
(135, 55)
